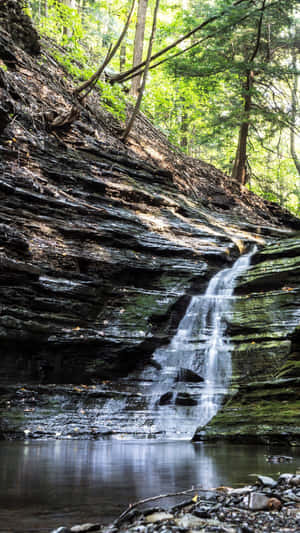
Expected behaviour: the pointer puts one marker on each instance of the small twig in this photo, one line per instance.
(65, 119)
(152, 499)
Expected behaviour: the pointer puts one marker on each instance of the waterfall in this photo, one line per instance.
(196, 365)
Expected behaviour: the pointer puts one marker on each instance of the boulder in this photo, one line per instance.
(256, 501)
(166, 398)
(187, 375)
(266, 481)
(184, 398)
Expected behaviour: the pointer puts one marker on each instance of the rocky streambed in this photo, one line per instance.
(268, 506)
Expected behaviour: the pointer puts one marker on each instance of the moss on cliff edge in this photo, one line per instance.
(267, 415)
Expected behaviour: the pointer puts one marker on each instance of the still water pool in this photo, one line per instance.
(47, 484)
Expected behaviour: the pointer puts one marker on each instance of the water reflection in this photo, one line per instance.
(46, 484)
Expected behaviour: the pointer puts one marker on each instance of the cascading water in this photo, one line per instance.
(196, 366)
(185, 387)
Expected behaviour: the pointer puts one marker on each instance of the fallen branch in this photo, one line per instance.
(64, 120)
(131, 506)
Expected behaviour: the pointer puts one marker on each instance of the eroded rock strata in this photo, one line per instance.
(101, 244)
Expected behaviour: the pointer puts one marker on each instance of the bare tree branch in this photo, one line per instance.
(119, 77)
(122, 517)
(111, 53)
(130, 74)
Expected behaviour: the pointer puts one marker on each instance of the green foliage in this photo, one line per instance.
(197, 98)
(112, 98)
(78, 49)
(217, 68)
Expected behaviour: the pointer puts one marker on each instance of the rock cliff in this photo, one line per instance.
(102, 244)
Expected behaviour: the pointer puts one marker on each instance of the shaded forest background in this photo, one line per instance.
(219, 78)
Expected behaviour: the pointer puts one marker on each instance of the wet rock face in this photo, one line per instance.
(19, 26)
(266, 357)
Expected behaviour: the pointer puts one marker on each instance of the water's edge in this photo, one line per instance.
(47, 484)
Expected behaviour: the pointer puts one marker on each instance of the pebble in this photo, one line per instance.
(289, 495)
(241, 491)
(85, 527)
(270, 507)
(267, 481)
(189, 521)
(157, 517)
(285, 478)
(295, 481)
(256, 501)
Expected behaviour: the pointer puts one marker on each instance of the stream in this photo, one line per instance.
(47, 484)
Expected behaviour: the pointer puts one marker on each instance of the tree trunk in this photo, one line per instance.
(122, 57)
(139, 44)
(294, 114)
(184, 132)
(143, 84)
(83, 8)
(72, 4)
(239, 168)
(239, 171)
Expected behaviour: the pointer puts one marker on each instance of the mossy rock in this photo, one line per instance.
(290, 369)
(283, 248)
(272, 274)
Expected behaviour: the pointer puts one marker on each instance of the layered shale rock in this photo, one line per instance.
(266, 357)
(16, 25)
